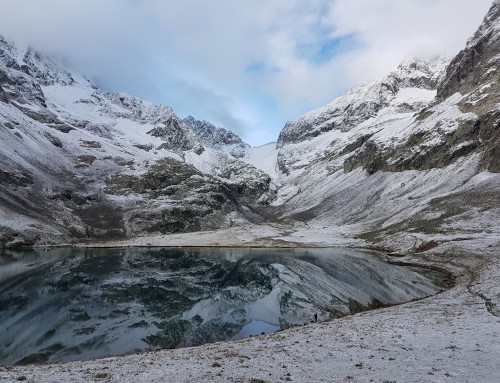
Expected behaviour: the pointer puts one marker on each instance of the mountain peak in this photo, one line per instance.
(364, 101)
(418, 72)
(478, 61)
(217, 138)
(490, 26)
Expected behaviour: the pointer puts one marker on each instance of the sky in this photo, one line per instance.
(247, 65)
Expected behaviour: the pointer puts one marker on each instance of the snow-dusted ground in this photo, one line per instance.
(450, 337)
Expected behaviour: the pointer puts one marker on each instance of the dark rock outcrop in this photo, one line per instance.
(458, 143)
(20, 179)
(54, 140)
(216, 138)
(475, 72)
(195, 201)
(175, 134)
(477, 64)
(15, 240)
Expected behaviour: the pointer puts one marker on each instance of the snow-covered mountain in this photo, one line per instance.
(412, 156)
(78, 162)
(365, 101)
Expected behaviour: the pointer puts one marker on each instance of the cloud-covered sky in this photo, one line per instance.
(246, 65)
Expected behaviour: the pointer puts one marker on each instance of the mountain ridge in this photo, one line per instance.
(74, 158)
(388, 158)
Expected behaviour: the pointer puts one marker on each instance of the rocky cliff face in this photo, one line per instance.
(176, 136)
(475, 73)
(477, 63)
(217, 138)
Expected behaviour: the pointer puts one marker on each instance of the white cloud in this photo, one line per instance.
(249, 64)
(390, 30)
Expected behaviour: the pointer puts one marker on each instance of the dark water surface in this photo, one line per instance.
(67, 304)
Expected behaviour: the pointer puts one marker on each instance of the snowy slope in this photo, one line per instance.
(77, 161)
(415, 152)
(365, 101)
(264, 158)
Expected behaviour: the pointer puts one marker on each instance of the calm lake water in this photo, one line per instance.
(69, 304)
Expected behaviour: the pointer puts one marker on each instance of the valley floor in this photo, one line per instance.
(453, 336)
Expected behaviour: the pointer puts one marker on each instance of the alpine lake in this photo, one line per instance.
(65, 304)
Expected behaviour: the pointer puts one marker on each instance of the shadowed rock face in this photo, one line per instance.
(175, 134)
(217, 138)
(475, 72)
(477, 64)
(459, 143)
(22, 179)
(193, 198)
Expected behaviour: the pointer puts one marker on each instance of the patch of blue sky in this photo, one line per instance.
(133, 2)
(260, 68)
(326, 49)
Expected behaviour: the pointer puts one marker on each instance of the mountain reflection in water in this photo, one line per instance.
(68, 304)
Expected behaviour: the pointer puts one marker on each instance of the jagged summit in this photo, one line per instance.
(417, 72)
(44, 69)
(217, 138)
(489, 28)
(137, 109)
(478, 61)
